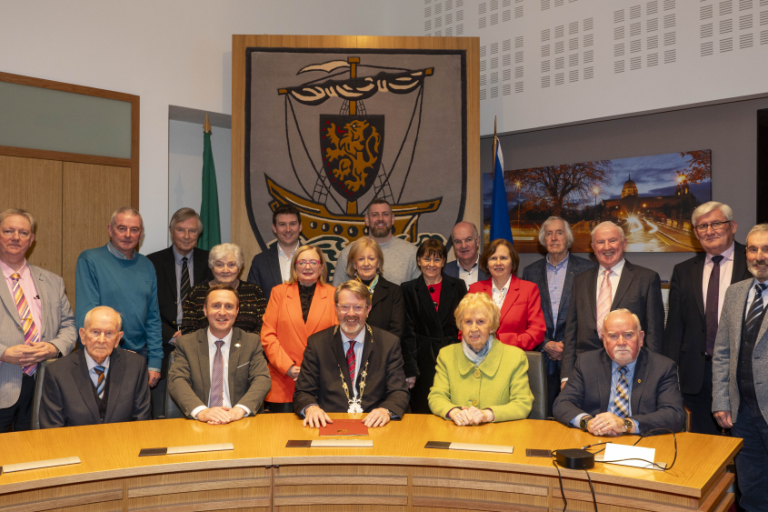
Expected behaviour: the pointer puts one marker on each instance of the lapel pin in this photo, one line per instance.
(638, 380)
(237, 345)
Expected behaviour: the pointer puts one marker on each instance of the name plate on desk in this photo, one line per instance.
(40, 464)
(175, 450)
(440, 445)
(331, 443)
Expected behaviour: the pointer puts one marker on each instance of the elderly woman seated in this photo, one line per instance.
(480, 380)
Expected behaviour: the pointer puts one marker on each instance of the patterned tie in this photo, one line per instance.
(755, 312)
(351, 361)
(620, 406)
(185, 287)
(713, 299)
(217, 378)
(604, 301)
(101, 382)
(31, 334)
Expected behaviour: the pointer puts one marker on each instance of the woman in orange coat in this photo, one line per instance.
(296, 310)
(522, 321)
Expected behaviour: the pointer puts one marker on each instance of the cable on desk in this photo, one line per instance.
(642, 436)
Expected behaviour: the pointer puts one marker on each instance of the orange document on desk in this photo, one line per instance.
(344, 428)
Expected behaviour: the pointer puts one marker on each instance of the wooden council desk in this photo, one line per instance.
(398, 473)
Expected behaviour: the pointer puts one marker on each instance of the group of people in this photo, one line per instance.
(399, 330)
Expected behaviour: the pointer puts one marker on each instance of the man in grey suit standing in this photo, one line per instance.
(554, 275)
(615, 284)
(273, 267)
(466, 246)
(234, 379)
(36, 321)
(739, 371)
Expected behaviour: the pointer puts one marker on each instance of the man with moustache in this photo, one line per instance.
(273, 267)
(615, 284)
(354, 368)
(466, 246)
(554, 275)
(739, 368)
(36, 320)
(219, 374)
(696, 298)
(116, 275)
(99, 384)
(623, 389)
(399, 255)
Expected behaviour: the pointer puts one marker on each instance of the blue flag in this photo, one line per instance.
(500, 227)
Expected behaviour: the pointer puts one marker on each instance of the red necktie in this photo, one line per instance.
(351, 361)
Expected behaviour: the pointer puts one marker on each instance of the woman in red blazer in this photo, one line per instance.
(296, 310)
(522, 321)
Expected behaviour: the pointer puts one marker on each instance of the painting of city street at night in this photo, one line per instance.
(650, 197)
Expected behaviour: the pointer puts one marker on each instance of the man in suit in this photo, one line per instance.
(466, 246)
(624, 388)
(554, 275)
(219, 374)
(739, 370)
(357, 368)
(273, 267)
(178, 268)
(36, 321)
(615, 284)
(97, 385)
(696, 298)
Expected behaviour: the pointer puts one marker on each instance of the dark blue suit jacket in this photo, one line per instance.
(265, 271)
(452, 269)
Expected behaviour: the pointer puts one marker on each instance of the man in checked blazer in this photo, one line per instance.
(219, 374)
(554, 275)
(52, 316)
(635, 288)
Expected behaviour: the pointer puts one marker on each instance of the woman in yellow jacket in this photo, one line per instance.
(480, 380)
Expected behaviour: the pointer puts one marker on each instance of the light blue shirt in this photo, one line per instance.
(615, 376)
(117, 254)
(751, 297)
(555, 283)
(93, 364)
(191, 268)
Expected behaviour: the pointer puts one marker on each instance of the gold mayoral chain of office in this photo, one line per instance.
(355, 404)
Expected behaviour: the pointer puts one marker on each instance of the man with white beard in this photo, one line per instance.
(351, 367)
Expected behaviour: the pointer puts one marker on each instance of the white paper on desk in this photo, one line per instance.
(615, 453)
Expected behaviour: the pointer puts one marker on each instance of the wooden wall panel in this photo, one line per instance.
(90, 194)
(242, 233)
(35, 185)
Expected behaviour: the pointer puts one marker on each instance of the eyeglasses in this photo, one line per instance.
(716, 226)
(311, 263)
(344, 308)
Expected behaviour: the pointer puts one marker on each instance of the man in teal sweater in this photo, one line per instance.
(119, 277)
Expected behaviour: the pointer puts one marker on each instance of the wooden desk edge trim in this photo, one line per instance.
(493, 466)
(96, 476)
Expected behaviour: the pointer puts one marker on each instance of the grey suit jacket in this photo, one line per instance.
(68, 399)
(639, 291)
(452, 269)
(265, 271)
(725, 385)
(58, 327)
(655, 398)
(189, 378)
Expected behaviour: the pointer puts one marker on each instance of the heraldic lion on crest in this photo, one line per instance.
(357, 150)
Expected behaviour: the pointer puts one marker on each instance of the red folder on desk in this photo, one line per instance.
(344, 428)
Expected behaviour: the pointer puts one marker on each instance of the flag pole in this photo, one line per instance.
(495, 141)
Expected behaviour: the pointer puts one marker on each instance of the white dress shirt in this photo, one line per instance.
(469, 276)
(726, 273)
(285, 261)
(499, 295)
(226, 402)
(614, 278)
(359, 339)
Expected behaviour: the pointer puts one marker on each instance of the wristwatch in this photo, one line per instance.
(584, 422)
(628, 424)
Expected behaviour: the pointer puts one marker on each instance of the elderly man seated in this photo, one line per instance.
(623, 389)
(100, 384)
(208, 360)
(355, 369)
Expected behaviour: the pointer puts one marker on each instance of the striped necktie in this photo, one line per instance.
(755, 312)
(101, 382)
(620, 406)
(185, 286)
(604, 301)
(217, 378)
(351, 362)
(31, 334)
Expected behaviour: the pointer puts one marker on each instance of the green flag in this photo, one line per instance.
(209, 209)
